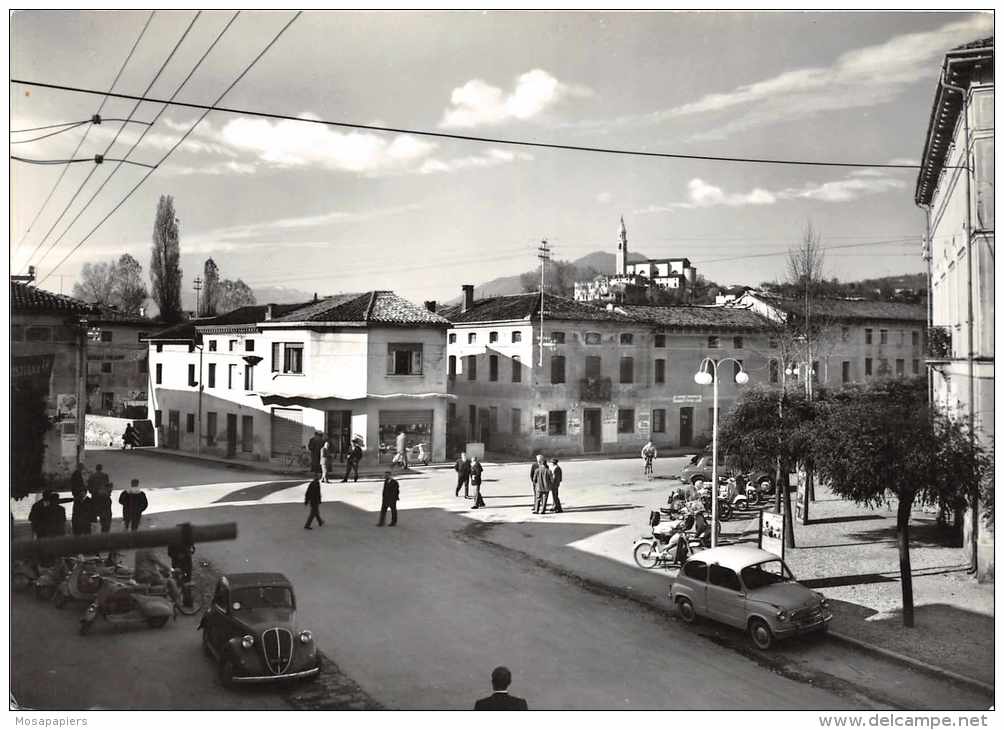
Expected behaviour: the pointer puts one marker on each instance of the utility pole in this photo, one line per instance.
(544, 254)
(198, 288)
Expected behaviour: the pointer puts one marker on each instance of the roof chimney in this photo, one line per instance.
(468, 297)
(431, 305)
(269, 309)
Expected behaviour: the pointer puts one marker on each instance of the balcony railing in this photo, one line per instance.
(596, 390)
(939, 343)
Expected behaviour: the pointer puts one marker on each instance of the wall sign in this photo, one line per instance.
(540, 423)
(772, 533)
(687, 398)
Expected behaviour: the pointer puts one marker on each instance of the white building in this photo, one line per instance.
(256, 383)
(956, 189)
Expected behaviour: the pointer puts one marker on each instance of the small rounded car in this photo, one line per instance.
(699, 469)
(250, 629)
(749, 589)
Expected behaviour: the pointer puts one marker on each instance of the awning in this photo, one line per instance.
(330, 401)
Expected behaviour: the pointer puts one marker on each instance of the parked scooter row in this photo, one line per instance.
(672, 541)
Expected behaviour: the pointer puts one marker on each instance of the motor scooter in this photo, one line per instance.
(419, 455)
(668, 546)
(118, 603)
(50, 577)
(84, 579)
(24, 573)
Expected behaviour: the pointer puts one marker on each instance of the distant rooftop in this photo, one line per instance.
(527, 306)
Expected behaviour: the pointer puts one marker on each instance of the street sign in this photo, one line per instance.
(687, 398)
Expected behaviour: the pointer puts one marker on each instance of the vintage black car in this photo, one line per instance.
(250, 629)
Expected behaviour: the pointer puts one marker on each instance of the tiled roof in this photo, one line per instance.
(846, 309)
(523, 306)
(243, 315)
(375, 307)
(698, 317)
(25, 298)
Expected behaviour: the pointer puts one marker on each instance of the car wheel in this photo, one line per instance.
(686, 610)
(646, 555)
(760, 634)
(227, 672)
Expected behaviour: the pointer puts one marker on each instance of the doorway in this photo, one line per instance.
(173, 429)
(231, 435)
(686, 426)
(592, 435)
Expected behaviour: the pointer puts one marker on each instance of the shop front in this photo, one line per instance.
(416, 425)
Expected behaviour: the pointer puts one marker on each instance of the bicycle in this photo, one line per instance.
(649, 468)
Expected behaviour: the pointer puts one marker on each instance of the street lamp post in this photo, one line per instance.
(707, 374)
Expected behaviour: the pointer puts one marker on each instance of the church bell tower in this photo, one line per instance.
(621, 268)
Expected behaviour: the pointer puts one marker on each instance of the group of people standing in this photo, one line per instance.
(323, 451)
(469, 471)
(92, 503)
(545, 480)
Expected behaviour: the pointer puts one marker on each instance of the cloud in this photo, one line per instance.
(221, 168)
(853, 186)
(604, 198)
(491, 158)
(478, 103)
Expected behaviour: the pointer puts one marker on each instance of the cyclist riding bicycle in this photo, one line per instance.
(649, 453)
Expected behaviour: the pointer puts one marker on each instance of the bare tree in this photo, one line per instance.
(233, 295)
(96, 283)
(129, 291)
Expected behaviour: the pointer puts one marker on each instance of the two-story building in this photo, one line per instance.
(588, 379)
(258, 382)
(955, 188)
(117, 364)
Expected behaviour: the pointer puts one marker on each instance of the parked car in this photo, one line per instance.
(750, 589)
(699, 469)
(250, 629)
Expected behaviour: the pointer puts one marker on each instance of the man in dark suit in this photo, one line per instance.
(391, 492)
(500, 698)
(555, 483)
(463, 469)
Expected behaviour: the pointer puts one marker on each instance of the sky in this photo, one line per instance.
(326, 209)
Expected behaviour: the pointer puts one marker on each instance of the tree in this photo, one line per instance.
(96, 283)
(210, 288)
(165, 271)
(129, 291)
(886, 443)
(559, 278)
(233, 295)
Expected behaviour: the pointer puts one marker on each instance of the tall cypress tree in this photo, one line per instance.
(211, 288)
(165, 270)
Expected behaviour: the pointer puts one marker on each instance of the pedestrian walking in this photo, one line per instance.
(543, 484)
(134, 504)
(313, 499)
(555, 483)
(649, 454)
(476, 471)
(130, 438)
(391, 494)
(101, 494)
(463, 469)
(500, 699)
(538, 460)
(400, 449)
(352, 462)
(314, 447)
(77, 480)
(327, 459)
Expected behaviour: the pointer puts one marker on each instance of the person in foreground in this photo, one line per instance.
(500, 698)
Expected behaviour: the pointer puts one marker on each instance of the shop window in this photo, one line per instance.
(625, 420)
(557, 369)
(556, 423)
(404, 358)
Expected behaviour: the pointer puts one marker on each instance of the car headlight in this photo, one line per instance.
(823, 603)
(783, 615)
(305, 637)
(248, 641)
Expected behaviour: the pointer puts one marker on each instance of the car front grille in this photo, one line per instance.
(277, 645)
(807, 615)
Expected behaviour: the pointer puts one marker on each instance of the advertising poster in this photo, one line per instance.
(643, 424)
(66, 405)
(574, 425)
(540, 423)
(772, 533)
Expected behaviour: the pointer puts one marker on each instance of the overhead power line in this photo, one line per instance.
(177, 144)
(472, 138)
(111, 144)
(787, 251)
(88, 130)
(97, 159)
(96, 119)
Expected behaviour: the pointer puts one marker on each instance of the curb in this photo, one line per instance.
(255, 466)
(915, 663)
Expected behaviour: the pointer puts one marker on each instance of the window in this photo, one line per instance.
(248, 345)
(627, 369)
(493, 368)
(108, 402)
(868, 366)
(159, 374)
(868, 336)
(845, 372)
(453, 366)
(696, 569)
(845, 333)
(555, 423)
(557, 369)
(915, 338)
(775, 374)
(191, 375)
(106, 335)
(404, 358)
(160, 348)
(558, 338)
(248, 378)
(292, 360)
(231, 376)
(493, 337)
(902, 336)
(38, 334)
(658, 420)
(660, 371)
(517, 369)
(883, 337)
(660, 340)
(723, 578)
(276, 356)
(593, 367)
(247, 433)
(158, 418)
(212, 375)
(625, 420)
(593, 338)
(737, 342)
(915, 366)
(210, 428)
(189, 423)
(627, 338)
(232, 345)
(517, 421)
(472, 367)
(883, 368)
(212, 345)
(900, 368)
(472, 337)
(106, 367)
(517, 337)
(713, 342)
(453, 338)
